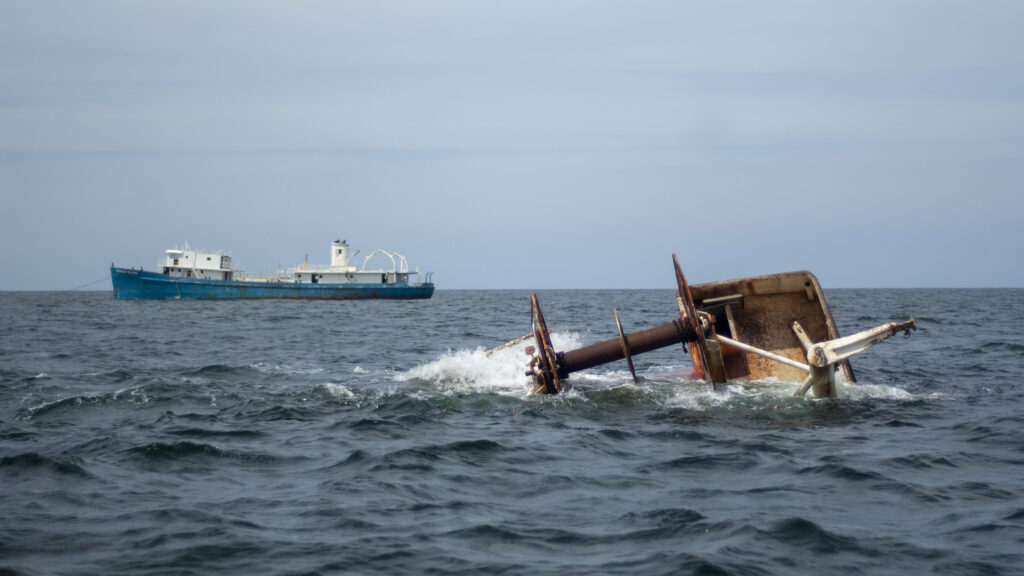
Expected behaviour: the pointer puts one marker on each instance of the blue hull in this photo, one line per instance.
(130, 284)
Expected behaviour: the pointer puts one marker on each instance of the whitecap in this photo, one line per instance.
(502, 372)
(284, 369)
(338, 391)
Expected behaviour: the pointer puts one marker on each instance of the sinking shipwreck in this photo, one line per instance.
(775, 326)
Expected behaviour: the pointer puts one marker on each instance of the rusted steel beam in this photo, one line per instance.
(674, 332)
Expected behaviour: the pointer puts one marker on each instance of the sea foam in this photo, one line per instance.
(469, 371)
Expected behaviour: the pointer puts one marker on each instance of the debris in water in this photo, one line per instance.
(775, 326)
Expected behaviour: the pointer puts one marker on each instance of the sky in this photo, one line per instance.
(518, 145)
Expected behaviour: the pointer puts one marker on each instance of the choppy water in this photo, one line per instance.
(284, 437)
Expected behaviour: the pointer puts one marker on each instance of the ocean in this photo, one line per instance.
(377, 437)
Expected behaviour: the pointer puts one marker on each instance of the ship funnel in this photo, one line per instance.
(340, 254)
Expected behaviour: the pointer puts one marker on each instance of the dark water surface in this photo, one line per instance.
(282, 437)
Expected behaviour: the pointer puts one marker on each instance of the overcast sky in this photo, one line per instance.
(518, 144)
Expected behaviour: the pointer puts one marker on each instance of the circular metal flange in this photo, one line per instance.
(688, 312)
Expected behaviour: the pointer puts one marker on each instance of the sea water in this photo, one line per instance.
(378, 437)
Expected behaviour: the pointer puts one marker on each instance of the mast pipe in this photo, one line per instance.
(674, 332)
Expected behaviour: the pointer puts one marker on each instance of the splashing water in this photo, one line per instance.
(504, 372)
(469, 371)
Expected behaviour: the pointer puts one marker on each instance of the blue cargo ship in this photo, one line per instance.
(191, 274)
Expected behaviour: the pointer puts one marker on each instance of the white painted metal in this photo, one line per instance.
(189, 263)
(387, 253)
(823, 357)
(840, 349)
(404, 265)
(341, 255)
(764, 353)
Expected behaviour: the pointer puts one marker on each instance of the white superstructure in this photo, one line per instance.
(341, 271)
(188, 263)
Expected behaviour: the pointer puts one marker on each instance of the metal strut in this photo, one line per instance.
(625, 347)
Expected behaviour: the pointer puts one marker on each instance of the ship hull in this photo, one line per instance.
(131, 284)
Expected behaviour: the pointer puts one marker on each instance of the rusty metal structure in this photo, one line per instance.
(774, 326)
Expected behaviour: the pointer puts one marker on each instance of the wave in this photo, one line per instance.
(212, 433)
(1006, 347)
(921, 462)
(1017, 516)
(73, 403)
(333, 391)
(842, 472)
(805, 534)
(217, 371)
(188, 451)
(665, 517)
(425, 458)
(734, 462)
(246, 372)
(20, 376)
(32, 463)
(285, 369)
(973, 491)
(473, 453)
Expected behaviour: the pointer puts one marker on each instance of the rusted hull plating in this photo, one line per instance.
(759, 312)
